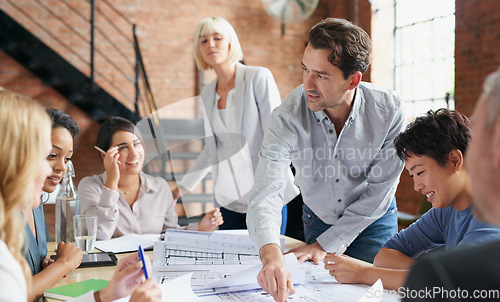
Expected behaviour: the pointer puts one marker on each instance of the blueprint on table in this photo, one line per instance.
(209, 255)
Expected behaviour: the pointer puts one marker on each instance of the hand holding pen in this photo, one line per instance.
(143, 260)
(127, 280)
(105, 153)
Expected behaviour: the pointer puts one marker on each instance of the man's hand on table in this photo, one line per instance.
(313, 252)
(275, 277)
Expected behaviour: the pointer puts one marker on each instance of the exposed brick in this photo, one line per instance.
(476, 50)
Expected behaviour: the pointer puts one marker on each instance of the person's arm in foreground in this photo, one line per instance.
(391, 258)
(128, 280)
(352, 271)
(275, 277)
(401, 250)
(265, 205)
(68, 258)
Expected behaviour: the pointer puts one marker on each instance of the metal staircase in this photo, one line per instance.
(58, 73)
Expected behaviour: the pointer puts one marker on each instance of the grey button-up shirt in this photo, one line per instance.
(347, 181)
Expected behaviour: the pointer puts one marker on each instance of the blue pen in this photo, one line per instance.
(144, 267)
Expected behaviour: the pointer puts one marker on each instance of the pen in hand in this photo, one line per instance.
(104, 152)
(144, 267)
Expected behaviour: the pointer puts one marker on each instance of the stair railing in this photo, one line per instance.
(128, 73)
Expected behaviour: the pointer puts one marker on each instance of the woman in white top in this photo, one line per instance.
(25, 144)
(24, 147)
(125, 199)
(237, 110)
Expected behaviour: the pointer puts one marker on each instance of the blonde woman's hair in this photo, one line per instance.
(216, 25)
(24, 135)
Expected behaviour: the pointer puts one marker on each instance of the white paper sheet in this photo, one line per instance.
(247, 279)
(210, 256)
(374, 293)
(319, 286)
(127, 243)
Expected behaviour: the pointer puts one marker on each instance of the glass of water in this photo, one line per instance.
(85, 228)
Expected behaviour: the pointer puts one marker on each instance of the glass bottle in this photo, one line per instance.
(67, 206)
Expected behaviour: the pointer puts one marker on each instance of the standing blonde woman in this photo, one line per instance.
(237, 109)
(25, 145)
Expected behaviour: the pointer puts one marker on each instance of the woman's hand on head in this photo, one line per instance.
(211, 221)
(111, 165)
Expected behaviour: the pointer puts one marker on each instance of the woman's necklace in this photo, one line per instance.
(130, 190)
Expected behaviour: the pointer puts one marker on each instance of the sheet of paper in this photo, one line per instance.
(318, 286)
(127, 243)
(178, 290)
(211, 241)
(371, 293)
(247, 279)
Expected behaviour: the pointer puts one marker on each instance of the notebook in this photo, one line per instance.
(74, 290)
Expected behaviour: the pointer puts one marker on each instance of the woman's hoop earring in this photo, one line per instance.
(46, 199)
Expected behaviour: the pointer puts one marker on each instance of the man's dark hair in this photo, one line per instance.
(435, 135)
(109, 128)
(62, 119)
(349, 44)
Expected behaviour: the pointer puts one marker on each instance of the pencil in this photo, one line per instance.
(103, 152)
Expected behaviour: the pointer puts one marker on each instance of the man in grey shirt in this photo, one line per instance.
(338, 133)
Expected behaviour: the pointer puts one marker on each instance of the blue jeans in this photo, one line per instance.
(234, 220)
(369, 241)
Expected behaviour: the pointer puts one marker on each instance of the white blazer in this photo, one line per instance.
(256, 95)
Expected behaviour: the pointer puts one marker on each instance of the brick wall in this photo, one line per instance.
(477, 48)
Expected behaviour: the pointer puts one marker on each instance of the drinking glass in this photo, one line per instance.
(85, 228)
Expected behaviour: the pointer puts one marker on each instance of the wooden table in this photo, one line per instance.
(106, 272)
